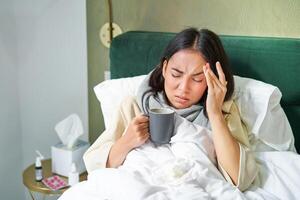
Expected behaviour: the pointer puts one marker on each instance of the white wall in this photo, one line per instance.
(43, 60)
(52, 71)
(10, 130)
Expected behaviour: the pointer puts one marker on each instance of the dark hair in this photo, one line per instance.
(211, 48)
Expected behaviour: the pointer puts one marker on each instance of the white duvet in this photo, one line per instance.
(186, 169)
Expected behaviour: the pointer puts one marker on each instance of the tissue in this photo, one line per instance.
(69, 130)
(172, 172)
(70, 149)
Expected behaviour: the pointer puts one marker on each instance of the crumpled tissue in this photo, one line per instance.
(173, 172)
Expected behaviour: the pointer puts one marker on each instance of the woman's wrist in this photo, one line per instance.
(125, 144)
(215, 115)
(118, 153)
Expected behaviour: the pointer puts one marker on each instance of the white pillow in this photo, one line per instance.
(260, 109)
(258, 102)
(111, 93)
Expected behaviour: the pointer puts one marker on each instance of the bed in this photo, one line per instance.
(274, 61)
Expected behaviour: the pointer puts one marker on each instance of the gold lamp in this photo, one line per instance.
(109, 30)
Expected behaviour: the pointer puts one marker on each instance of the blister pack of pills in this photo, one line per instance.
(55, 182)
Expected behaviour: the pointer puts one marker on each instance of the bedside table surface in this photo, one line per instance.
(31, 184)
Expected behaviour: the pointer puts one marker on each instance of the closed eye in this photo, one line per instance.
(199, 77)
(198, 80)
(176, 73)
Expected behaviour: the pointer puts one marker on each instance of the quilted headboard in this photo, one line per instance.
(272, 60)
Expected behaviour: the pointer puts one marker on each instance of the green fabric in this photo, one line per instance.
(272, 60)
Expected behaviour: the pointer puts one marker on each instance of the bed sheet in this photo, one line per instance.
(186, 169)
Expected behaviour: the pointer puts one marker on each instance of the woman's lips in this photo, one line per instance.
(181, 100)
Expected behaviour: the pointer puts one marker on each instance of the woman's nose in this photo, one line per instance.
(184, 85)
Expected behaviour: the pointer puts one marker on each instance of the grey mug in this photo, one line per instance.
(161, 125)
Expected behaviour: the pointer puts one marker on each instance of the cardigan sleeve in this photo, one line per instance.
(248, 167)
(96, 156)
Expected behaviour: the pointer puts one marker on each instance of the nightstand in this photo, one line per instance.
(34, 186)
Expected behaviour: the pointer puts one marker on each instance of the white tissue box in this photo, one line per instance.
(62, 157)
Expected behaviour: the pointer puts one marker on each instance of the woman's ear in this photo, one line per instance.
(164, 68)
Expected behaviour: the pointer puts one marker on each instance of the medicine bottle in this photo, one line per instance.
(38, 169)
(73, 175)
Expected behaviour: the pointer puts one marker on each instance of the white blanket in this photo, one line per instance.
(186, 169)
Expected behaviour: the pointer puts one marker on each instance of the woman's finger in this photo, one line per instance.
(145, 134)
(143, 127)
(215, 81)
(212, 74)
(207, 76)
(221, 73)
(142, 119)
(146, 137)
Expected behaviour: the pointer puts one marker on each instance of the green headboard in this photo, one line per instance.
(272, 60)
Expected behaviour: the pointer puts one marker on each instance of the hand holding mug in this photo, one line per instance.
(137, 132)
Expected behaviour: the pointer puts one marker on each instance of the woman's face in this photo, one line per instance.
(185, 81)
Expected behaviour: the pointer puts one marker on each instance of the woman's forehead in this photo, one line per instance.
(188, 59)
(187, 54)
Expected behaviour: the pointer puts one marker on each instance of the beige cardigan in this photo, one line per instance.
(96, 156)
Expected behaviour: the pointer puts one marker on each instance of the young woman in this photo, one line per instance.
(193, 78)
